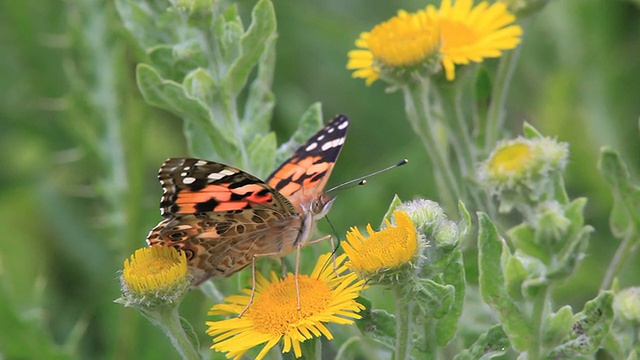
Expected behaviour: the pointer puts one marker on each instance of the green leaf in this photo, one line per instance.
(378, 325)
(588, 329)
(530, 132)
(171, 96)
(254, 42)
(392, 206)
(310, 123)
(492, 285)
(261, 154)
(557, 326)
(454, 275)
(201, 85)
(514, 273)
(199, 146)
(489, 345)
(433, 299)
(464, 225)
(140, 21)
(625, 216)
(261, 101)
(228, 30)
(523, 239)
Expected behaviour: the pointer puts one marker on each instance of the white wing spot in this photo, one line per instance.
(343, 125)
(200, 163)
(227, 172)
(183, 174)
(330, 130)
(189, 180)
(333, 143)
(312, 146)
(215, 176)
(320, 137)
(186, 168)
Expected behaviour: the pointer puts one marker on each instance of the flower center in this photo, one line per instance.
(510, 159)
(155, 267)
(456, 34)
(276, 310)
(406, 39)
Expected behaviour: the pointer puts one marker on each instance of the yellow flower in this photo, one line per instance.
(510, 160)
(475, 33)
(404, 42)
(274, 314)
(386, 249)
(154, 277)
(154, 268)
(457, 33)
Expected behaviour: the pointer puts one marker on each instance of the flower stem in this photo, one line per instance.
(403, 327)
(495, 114)
(626, 251)
(539, 314)
(168, 320)
(416, 98)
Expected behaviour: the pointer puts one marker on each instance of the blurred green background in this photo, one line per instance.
(69, 215)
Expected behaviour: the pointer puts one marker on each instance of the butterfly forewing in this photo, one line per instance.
(305, 174)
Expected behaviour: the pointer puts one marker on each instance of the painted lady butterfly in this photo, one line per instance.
(223, 218)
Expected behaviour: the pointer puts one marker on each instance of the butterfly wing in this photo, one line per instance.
(304, 175)
(193, 186)
(221, 217)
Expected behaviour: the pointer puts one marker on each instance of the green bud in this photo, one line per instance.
(627, 305)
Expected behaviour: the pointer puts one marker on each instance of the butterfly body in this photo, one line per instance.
(223, 218)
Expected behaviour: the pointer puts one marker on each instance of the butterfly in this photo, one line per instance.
(223, 218)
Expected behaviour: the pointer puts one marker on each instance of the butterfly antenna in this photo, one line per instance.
(363, 179)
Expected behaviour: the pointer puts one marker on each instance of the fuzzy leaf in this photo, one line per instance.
(523, 238)
(625, 215)
(433, 299)
(492, 286)
(514, 273)
(378, 325)
(489, 345)
(200, 84)
(530, 132)
(253, 43)
(454, 275)
(558, 326)
(392, 206)
(588, 329)
(198, 145)
(310, 123)
(139, 19)
(228, 31)
(261, 101)
(261, 152)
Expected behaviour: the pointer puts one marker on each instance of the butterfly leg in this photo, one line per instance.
(253, 281)
(333, 251)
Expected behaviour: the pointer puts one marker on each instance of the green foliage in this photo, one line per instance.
(95, 94)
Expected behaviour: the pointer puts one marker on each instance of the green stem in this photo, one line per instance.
(538, 316)
(403, 326)
(416, 97)
(459, 129)
(626, 251)
(495, 114)
(430, 344)
(168, 320)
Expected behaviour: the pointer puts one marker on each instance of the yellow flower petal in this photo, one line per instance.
(474, 33)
